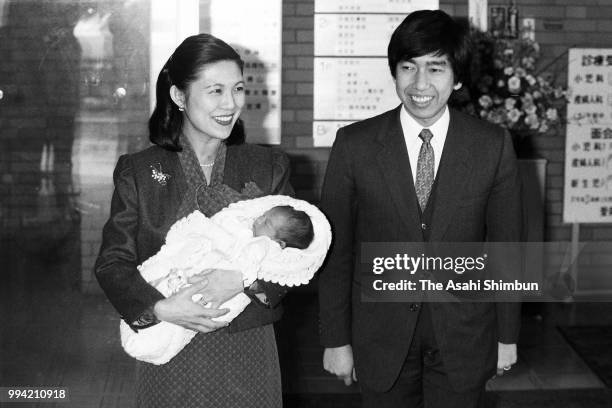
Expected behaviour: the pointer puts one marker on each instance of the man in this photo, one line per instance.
(421, 172)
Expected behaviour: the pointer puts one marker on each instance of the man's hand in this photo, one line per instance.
(506, 357)
(180, 309)
(219, 285)
(339, 361)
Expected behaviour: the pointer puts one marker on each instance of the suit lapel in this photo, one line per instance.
(453, 172)
(177, 189)
(395, 166)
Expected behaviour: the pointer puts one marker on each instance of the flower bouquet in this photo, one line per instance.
(508, 90)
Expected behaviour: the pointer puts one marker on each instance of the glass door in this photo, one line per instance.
(74, 87)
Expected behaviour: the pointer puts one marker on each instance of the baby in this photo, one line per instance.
(286, 226)
(280, 244)
(283, 224)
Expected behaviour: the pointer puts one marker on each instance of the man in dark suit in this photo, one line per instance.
(419, 173)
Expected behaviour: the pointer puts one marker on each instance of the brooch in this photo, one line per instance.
(158, 175)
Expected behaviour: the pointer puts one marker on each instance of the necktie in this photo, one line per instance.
(425, 169)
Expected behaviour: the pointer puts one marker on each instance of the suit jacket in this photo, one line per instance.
(143, 209)
(369, 196)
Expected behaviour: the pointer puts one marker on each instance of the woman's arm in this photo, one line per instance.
(139, 303)
(115, 267)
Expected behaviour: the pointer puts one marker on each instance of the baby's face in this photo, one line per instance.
(268, 223)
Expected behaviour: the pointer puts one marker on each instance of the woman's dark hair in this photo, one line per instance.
(181, 69)
(297, 230)
(430, 31)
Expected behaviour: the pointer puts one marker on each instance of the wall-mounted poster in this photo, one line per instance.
(497, 21)
(373, 6)
(588, 147)
(352, 80)
(254, 29)
(354, 34)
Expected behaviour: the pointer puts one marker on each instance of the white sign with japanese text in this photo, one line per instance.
(588, 147)
(352, 80)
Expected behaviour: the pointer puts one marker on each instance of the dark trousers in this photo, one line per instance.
(422, 381)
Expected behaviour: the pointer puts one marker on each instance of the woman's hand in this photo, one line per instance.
(180, 309)
(218, 285)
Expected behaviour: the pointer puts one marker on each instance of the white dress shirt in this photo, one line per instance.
(411, 129)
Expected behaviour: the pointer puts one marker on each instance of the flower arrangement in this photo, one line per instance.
(509, 91)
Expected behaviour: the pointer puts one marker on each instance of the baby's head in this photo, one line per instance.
(285, 225)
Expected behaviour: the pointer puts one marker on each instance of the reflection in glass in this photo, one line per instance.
(73, 77)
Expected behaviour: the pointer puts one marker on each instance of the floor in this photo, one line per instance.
(546, 361)
(55, 336)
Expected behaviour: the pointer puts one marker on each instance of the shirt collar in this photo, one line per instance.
(412, 128)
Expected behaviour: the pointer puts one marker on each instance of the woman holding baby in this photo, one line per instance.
(197, 162)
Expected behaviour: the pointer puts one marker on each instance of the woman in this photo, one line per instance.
(200, 93)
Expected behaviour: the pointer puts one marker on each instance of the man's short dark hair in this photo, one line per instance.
(430, 31)
(297, 231)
